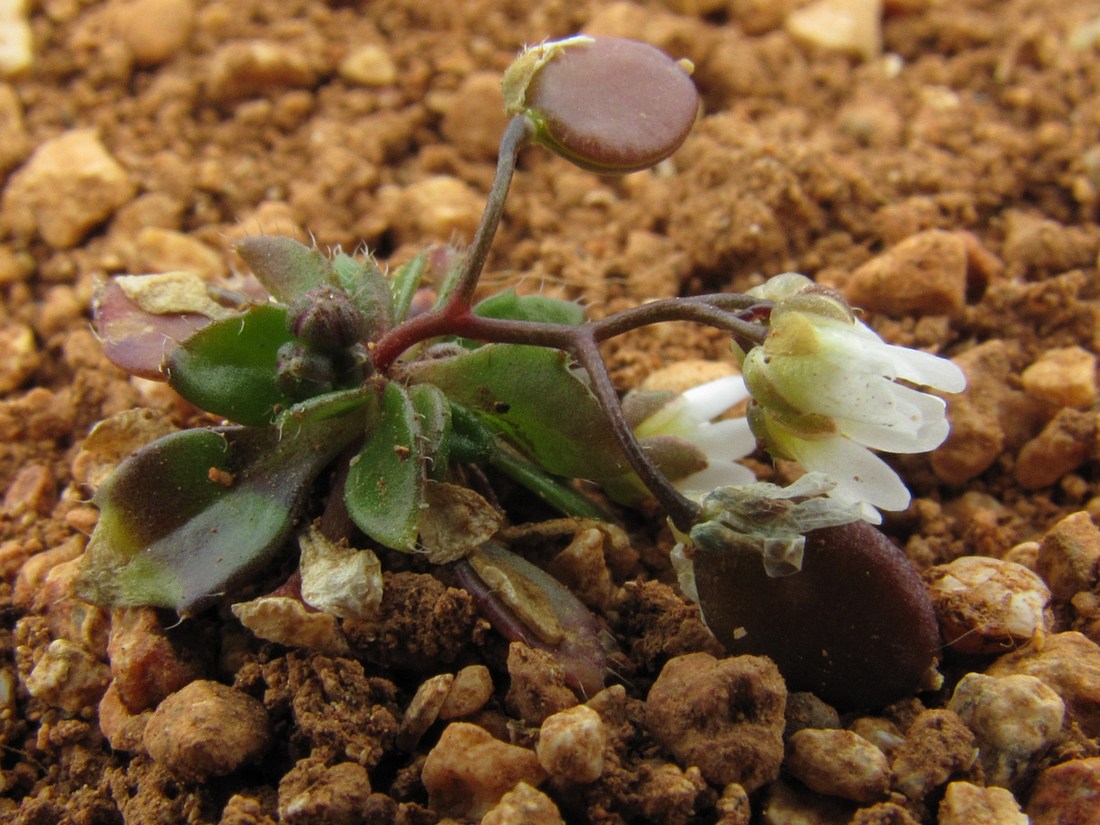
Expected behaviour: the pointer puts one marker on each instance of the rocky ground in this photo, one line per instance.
(939, 163)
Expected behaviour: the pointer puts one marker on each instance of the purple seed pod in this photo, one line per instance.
(855, 625)
(608, 104)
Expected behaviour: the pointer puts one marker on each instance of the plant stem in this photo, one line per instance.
(441, 321)
(683, 511)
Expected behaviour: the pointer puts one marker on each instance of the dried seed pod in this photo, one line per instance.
(608, 104)
(855, 625)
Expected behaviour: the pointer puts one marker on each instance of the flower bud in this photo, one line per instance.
(302, 373)
(326, 319)
(608, 104)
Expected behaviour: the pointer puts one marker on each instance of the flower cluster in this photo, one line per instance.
(824, 390)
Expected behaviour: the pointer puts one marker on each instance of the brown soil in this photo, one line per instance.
(950, 187)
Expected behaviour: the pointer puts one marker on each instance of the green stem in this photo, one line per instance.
(546, 487)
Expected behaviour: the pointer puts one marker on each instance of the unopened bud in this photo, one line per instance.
(302, 373)
(326, 319)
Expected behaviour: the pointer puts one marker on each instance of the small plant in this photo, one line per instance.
(365, 398)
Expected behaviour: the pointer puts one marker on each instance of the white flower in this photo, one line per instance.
(685, 423)
(826, 388)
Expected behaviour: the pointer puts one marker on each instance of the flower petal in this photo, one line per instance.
(856, 470)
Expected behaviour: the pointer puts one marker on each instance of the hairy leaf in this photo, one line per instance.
(385, 484)
(286, 268)
(369, 291)
(134, 339)
(531, 396)
(188, 516)
(229, 367)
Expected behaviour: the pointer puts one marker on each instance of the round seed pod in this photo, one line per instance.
(855, 625)
(608, 104)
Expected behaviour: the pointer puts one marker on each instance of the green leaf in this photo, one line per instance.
(434, 416)
(368, 289)
(192, 514)
(228, 367)
(530, 395)
(385, 484)
(406, 281)
(286, 268)
(539, 308)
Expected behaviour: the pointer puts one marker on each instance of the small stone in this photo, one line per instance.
(938, 747)
(114, 438)
(1035, 245)
(19, 356)
(538, 687)
(468, 771)
(68, 186)
(313, 793)
(16, 39)
(68, 677)
(683, 375)
(806, 710)
(723, 715)
(847, 26)
(788, 803)
(166, 250)
(438, 208)
(524, 805)
(986, 605)
(206, 729)
(571, 744)
(473, 116)
(122, 729)
(977, 428)
(968, 804)
(35, 570)
(1063, 446)
(1069, 556)
(146, 666)
(423, 710)
(33, 490)
(368, 65)
(1067, 794)
(155, 30)
(838, 763)
(923, 275)
(880, 732)
(1013, 718)
(14, 140)
(733, 806)
(1066, 377)
(472, 688)
(247, 68)
(1069, 664)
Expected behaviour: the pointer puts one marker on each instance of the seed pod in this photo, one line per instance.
(608, 104)
(855, 625)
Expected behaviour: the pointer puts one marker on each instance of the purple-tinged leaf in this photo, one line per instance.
(135, 340)
(286, 268)
(230, 366)
(526, 604)
(189, 516)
